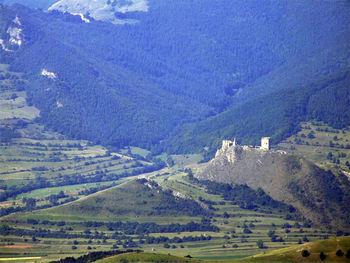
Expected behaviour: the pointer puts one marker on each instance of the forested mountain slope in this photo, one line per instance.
(180, 63)
(277, 115)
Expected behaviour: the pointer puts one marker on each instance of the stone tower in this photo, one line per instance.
(227, 144)
(265, 143)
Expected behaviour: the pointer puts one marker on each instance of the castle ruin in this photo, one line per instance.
(227, 143)
(265, 144)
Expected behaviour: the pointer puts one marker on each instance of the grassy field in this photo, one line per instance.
(231, 242)
(71, 190)
(131, 150)
(293, 254)
(62, 165)
(145, 257)
(321, 144)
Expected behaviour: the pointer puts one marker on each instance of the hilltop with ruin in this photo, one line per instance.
(286, 178)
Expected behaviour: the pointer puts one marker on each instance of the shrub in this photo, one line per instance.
(166, 245)
(305, 253)
(247, 231)
(339, 253)
(260, 243)
(305, 239)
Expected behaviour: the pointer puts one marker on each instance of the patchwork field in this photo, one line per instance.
(41, 168)
(54, 233)
(321, 144)
(330, 250)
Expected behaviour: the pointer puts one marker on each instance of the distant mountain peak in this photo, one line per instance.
(104, 10)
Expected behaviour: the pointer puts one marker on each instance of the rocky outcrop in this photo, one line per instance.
(113, 11)
(317, 194)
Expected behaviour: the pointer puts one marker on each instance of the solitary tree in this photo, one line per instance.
(260, 243)
(339, 253)
(305, 253)
(29, 202)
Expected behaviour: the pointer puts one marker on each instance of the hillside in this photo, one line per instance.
(135, 198)
(277, 115)
(211, 60)
(317, 194)
(40, 168)
(329, 247)
(321, 144)
(146, 257)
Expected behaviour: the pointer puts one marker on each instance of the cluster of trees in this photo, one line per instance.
(246, 197)
(163, 239)
(94, 256)
(274, 237)
(7, 133)
(122, 228)
(132, 228)
(47, 233)
(87, 234)
(305, 253)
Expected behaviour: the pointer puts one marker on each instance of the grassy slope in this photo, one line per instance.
(289, 254)
(129, 199)
(293, 254)
(145, 257)
(317, 147)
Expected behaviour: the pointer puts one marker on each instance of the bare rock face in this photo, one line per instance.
(105, 10)
(247, 165)
(317, 194)
(14, 37)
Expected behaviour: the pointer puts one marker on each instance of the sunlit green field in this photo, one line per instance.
(229, 243)
(316, 141)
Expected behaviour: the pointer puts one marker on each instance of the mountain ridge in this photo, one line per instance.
(172, 69)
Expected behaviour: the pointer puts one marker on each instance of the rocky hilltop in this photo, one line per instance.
(318, 195)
